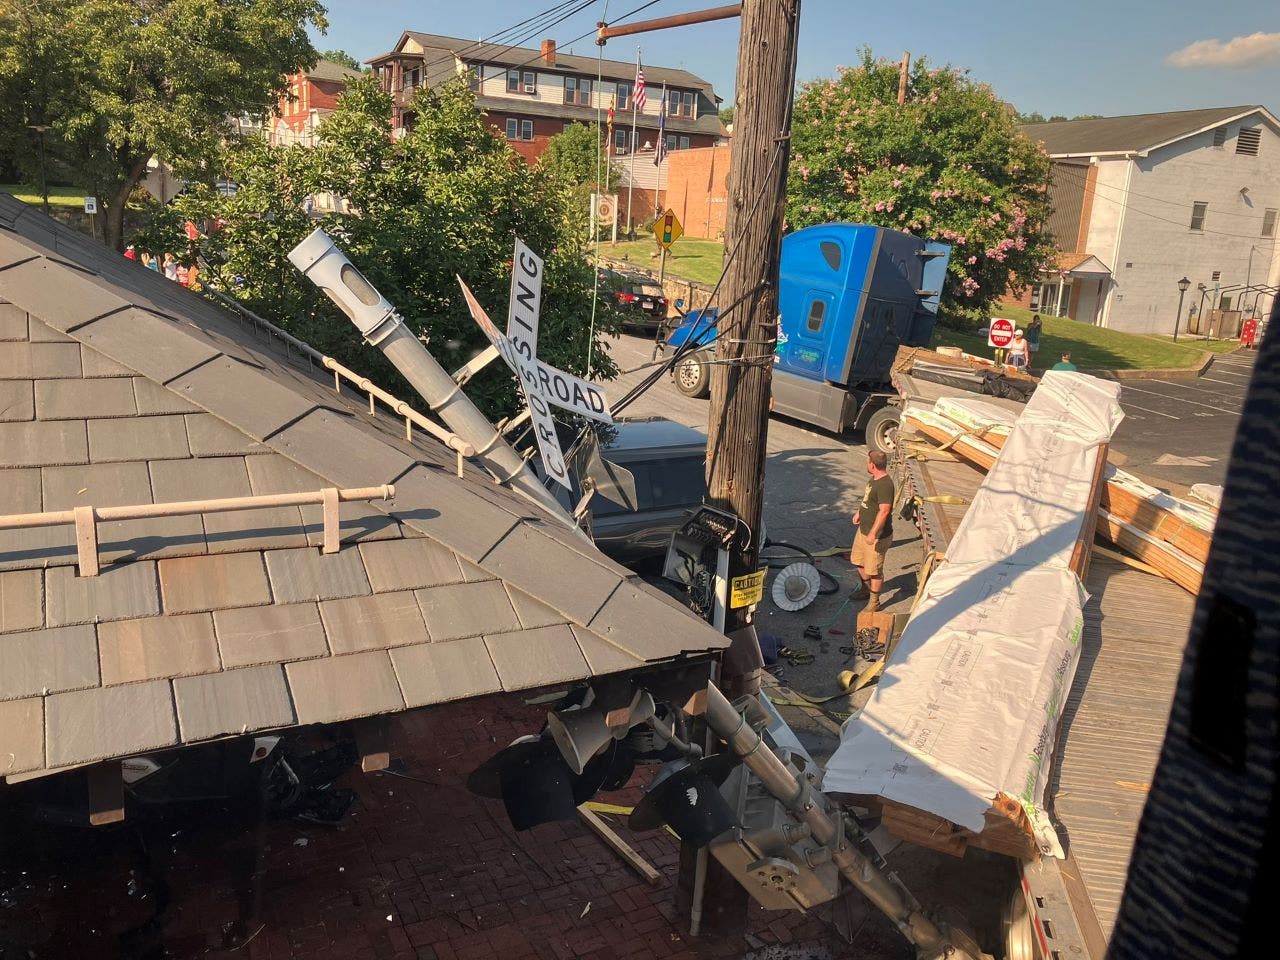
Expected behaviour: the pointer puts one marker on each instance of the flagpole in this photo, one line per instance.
(662, 132)
(631, 177)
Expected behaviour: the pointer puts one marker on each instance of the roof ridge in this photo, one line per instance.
(536, 52)
(1154, 113)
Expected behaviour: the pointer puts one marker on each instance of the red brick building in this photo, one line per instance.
(312, 96)
(696, 188)
(531, 95)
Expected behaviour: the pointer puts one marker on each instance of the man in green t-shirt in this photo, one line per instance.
(1064, 364)
(874, 520)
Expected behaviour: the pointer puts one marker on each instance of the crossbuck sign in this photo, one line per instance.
(542, 384)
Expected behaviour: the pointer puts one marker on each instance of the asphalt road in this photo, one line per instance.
(1175, 433)
(1179, 432)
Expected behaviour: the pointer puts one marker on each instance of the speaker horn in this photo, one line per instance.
(581, 734)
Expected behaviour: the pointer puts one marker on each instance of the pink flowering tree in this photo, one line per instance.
(950, 164)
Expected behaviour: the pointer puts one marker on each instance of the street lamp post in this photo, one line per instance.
(1183, 284)
(1204, 292)
(40, 129)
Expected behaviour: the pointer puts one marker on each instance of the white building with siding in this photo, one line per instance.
(1142, 201)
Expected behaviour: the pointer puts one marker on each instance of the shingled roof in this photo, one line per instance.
(120, 387)
(1131, 134)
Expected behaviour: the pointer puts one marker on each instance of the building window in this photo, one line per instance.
(522, 81)
(684, 143)
(673, 103)
(526, 129)
(1269, 223)
(413, 79)
(1215, 276)
(1219, 136)
(473, 78)
(686, 104)
(1198, 210)
(620, 144)
(1247, 141)
(624, 96)
(671, 142)
(577, 90)
(513, 128)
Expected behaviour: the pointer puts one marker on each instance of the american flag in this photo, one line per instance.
(660, 151)
(638, 97)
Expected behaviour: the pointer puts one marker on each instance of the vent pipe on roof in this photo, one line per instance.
(549, 51)
(321, 262)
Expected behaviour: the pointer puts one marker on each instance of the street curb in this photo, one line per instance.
(1167, 373)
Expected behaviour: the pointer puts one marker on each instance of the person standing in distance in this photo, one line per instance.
(1065, 363)
(874, 522)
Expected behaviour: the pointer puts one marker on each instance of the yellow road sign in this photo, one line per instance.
(747, 590)
(667, 229)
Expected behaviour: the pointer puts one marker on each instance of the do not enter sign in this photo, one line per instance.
(1000, 333)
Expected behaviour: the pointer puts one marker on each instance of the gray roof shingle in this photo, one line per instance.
(1127, 134)
(206, 625)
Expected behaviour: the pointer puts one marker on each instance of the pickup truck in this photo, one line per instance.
(849, 296)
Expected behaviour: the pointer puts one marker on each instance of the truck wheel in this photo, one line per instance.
(693, 376)
(882, 430)
(1019, 929)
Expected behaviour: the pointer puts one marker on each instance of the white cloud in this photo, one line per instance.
(1251, 51)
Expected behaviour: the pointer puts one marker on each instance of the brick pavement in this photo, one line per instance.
(421, 869)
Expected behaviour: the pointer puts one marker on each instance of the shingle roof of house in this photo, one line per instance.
(501, 55)
(328, 70)
(1129, 134)
(120, 387)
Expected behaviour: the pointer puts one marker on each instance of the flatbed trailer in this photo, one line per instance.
(1113, 725)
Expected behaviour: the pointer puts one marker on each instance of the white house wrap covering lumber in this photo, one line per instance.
(969, 706)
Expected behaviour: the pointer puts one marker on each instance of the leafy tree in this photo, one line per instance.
(1041, 118)
(574, 157)
(726, 115)
(950, 164)
(121, 82)
(342, 58)
(446, 200)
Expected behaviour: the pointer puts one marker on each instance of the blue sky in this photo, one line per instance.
(1087, 56)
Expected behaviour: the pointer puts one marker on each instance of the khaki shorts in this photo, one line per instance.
(869, 554)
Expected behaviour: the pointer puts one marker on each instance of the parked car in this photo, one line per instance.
(640, 299)
(668, 463)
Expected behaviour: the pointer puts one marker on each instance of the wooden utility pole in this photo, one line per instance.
(903, 69)
(742, 376)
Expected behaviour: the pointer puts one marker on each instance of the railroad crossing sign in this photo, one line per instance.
(542, 384)
(667, 229)
(1000, 333)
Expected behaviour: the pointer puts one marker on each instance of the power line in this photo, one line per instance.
(518, 33)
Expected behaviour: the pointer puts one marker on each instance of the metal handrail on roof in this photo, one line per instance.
(86, 518)
(412, 417)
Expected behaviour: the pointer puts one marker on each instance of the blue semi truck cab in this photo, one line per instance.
(849, 296)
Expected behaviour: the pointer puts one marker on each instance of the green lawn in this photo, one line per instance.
(1092, 347)
(58, 196)
(698, 260)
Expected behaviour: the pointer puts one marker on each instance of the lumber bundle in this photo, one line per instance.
(954, 749)
(1170, 535)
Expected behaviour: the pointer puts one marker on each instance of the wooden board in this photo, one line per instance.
(1125, 505)
(1171, 562)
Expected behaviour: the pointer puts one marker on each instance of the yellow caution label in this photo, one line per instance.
(744, 591)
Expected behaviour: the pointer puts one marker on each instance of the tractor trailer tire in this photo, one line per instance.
(881, 431)
(693, 375)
